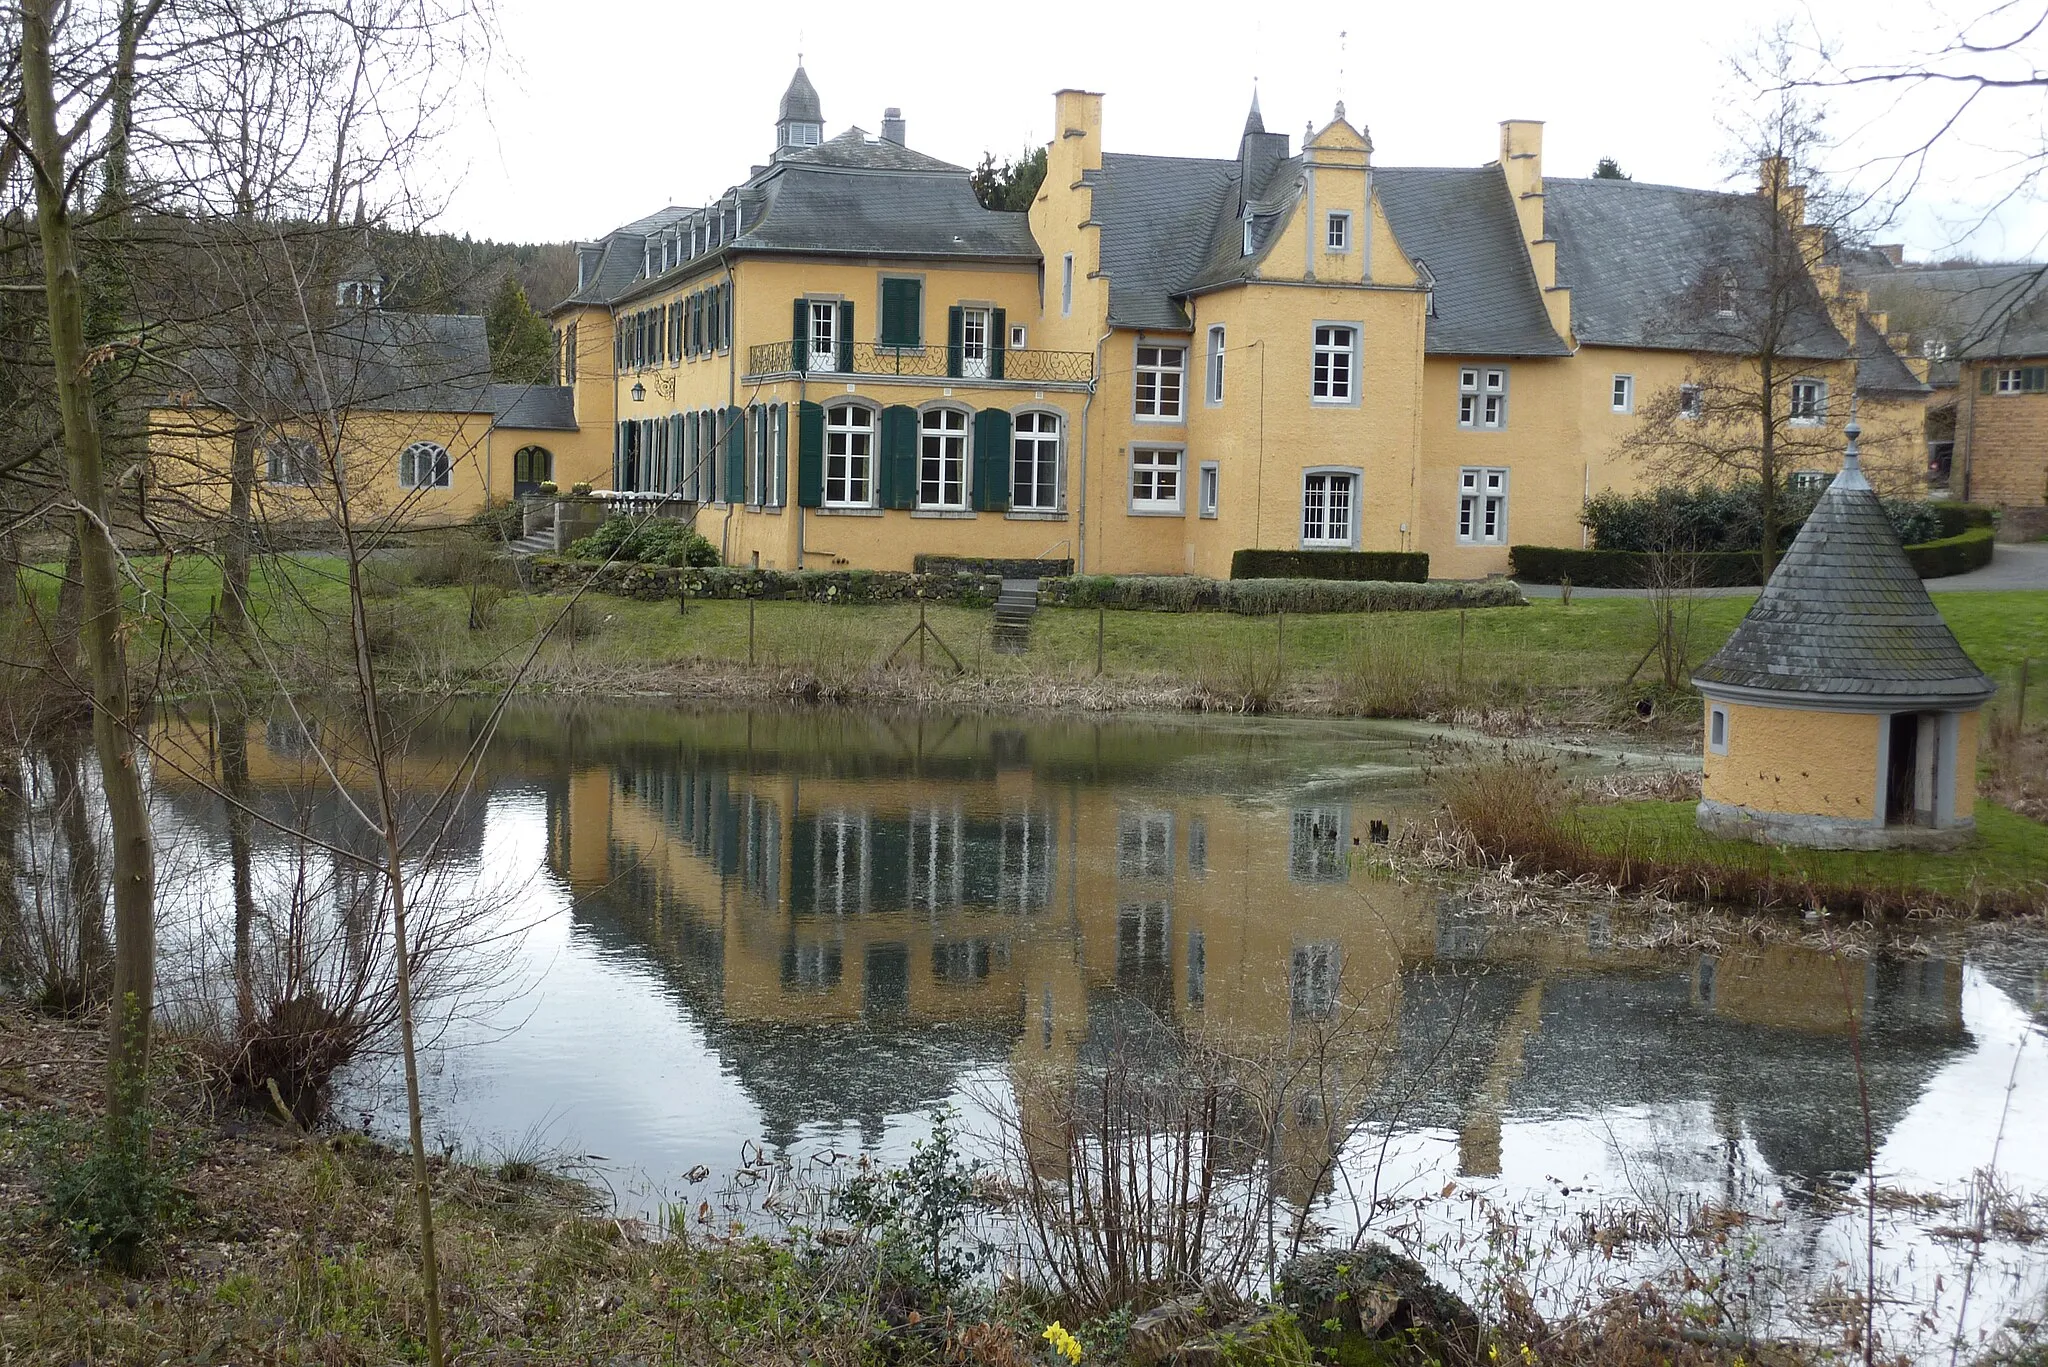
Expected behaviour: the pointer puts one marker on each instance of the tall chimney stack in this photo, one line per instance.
(892, 126)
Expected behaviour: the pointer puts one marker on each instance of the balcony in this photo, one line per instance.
(932, 363)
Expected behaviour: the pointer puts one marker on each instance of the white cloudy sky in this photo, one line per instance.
(606, 109)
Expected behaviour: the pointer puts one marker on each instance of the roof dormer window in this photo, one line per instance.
(1251, 233)
(359, 294)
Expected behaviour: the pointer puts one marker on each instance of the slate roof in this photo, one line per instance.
(1159, 218)
(374, 361)
(1846, 619)
(1879, 370)
(542, 407)
(1637, 258)
(1462, 224)
(800, 101)
(1981, 312)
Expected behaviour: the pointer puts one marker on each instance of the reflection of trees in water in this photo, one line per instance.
(53, 882)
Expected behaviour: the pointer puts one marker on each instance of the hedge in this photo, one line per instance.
(1952, 554)
(1007, 569)
(1957, 518)
(1143, 593)
(1628, 569)
(1722, 569)
(1388, 566)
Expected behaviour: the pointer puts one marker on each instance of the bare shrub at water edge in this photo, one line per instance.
(1517, 807)
(1250, 677)
(2017, 764)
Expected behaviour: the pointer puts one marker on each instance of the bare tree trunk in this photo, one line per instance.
(234, 558)
(234, 781)
(82, 854)
(70, 607)
(100, 626)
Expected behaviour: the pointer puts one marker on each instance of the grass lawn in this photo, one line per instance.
(2008, 853)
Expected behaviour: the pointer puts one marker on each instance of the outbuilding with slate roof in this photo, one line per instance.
(1842, 713)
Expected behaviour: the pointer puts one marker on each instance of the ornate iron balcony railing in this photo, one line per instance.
(928, 362)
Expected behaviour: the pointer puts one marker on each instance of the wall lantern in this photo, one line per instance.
(639, 391)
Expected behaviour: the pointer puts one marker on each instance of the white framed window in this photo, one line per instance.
(291, 460)
(1035, 463)
(1623, 399)
(942, 458)
(1717, 730)
(764, 488)
(425, 465)
(1155, 480)
(1483, 398)
(824, 335)
(1017, 336)
(1333, 369)
(1337, 232)
(1067, 285)
(1810, 479)
(2020, 379)
(974, 344)
(849, 456)
(1483, 506)
(1161, 376)
(1207, 500)
(1213, 388)
(1329, 505)
(1691, 398)
(1809, 402)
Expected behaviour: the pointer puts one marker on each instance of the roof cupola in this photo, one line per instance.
(800, 121)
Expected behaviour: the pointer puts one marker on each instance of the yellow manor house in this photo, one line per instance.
(847, 360)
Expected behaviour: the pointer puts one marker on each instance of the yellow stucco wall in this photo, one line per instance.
(1966, 763)
(1795, 760)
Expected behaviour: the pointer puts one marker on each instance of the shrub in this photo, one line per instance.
(918, 1214)
(120, 1195)
(1257, 597)
(496, 523)
(1002, 569)
(1628, 569)
(1957, 518)
(1952, 554)
(456, 561)
(1391, 566)
(1718, 518)
(648, 541)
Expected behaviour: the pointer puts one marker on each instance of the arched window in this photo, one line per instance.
(532, 466)
(849, 456)
(425, 465)
(1035, 463)
(942, 458)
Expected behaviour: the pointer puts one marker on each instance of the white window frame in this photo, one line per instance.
(823, 360)
(2013, 380)
(291, 462)
(1147, 465)
(1483, 398)
(976, 323)
(1018, 336)
(764, 488)
(1717, 729)
(1807, 404)
(945, 458)
(1208, 496)
(1212, 379)
(1333, 363)
(1046, 447)
(1691, 400)
(1067, 285)
(1622, 398)
(443, 476)
(1483, 505)
(1337, 232)
(1319, 485)
(1159, 386)
(858, 467)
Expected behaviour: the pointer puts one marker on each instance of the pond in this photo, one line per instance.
(728, 938)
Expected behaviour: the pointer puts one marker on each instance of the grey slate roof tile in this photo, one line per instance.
(1982, 312)
(1845, 617)
(1878, 368)
(1158, 217)
(1462, 224)
(375, 362)
(544, 407)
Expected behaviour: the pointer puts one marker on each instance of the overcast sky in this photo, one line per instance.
(604, 110)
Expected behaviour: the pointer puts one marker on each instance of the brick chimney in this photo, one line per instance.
(892, 126)
(1521, 162)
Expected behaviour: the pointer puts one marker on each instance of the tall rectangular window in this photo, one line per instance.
(1691, 398)
(1623, 399)
(942, 459)
(1482, 506)
(1337, 232)
(1215, 377)
(1035, 467)
(849, 456)
(1067, 285)
(1809, 405)
(1160, 373)
(1208, 498)
(974, 344)
(1331, 376)
(902, 312)
(824, 335)
(1717, 730)
(1155, 480)
(1483, 398)
(1328, 500)
(291, 460)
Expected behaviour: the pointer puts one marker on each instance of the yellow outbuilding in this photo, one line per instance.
(1842, 713)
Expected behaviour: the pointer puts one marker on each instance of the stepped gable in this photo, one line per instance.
(1845, 618)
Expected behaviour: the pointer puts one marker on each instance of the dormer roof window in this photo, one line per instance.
(359, 294)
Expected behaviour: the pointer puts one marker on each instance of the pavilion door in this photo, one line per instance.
(1912, 768)
(532, 466)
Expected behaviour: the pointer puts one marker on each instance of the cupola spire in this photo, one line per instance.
(800, 120)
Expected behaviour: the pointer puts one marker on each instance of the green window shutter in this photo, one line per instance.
(902, 312)
(778, 493)
(1985, 380)
(999, 325)
(735, 455)
(800, 337)
(953, 341)
(846, 337)
(810, 452)
(992, 460)
(899, 457)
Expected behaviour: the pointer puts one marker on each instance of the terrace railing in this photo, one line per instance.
(927, 362)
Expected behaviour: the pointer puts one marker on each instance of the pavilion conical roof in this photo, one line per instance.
(1845, 617)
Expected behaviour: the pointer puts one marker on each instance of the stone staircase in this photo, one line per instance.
(1015, 607)
(533, 543)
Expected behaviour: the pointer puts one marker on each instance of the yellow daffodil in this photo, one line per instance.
(1063, 1343)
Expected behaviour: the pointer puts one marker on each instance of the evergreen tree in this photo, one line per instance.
(522, 347)
(1012, 186)
(1610, 169)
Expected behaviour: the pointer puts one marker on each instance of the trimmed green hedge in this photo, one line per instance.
(1627, 569)
(1957, 518)
(1952, 554)
(1959, 554)
(1386, 566)
(1008, 569)
(1256, 597)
